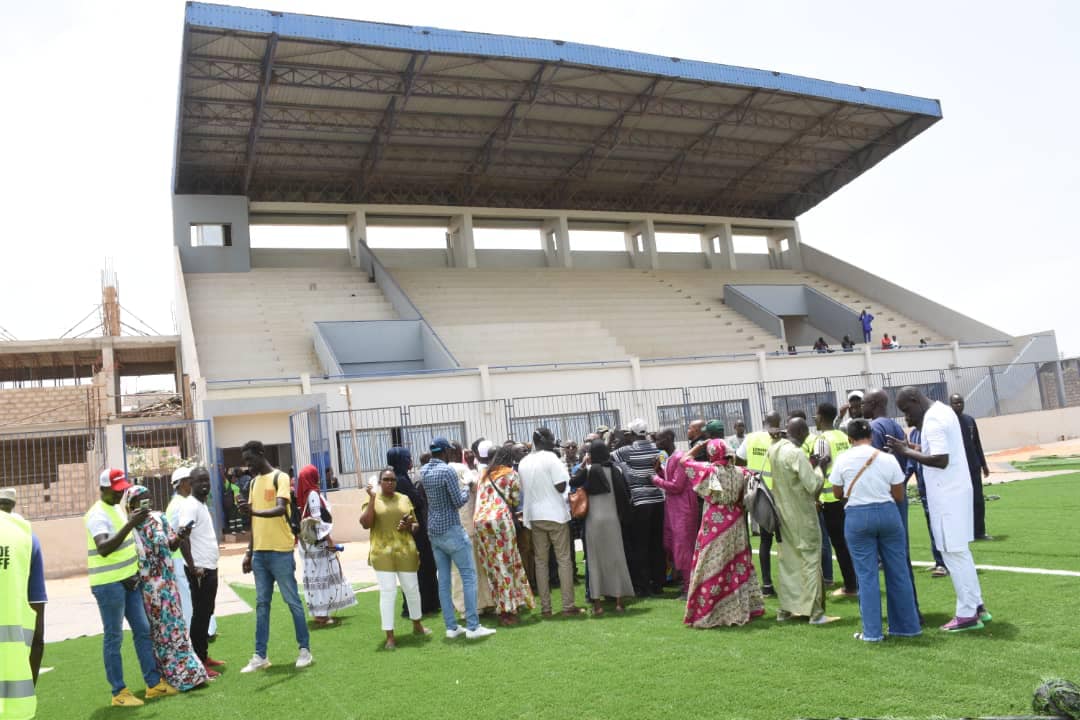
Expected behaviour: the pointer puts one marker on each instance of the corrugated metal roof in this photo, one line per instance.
(280, 106)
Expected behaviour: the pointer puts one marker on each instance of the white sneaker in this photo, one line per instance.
(257, 662)
(304, 658)
(455, 633)
(479, 632)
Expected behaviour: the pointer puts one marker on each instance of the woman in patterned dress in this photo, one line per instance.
(176, 659)
(325, 586)
(498, 492)
(723, 586)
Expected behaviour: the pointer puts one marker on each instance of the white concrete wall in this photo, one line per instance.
(212, 209)
(1033, 428)
(235, 430)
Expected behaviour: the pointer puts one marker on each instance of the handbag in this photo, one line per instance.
(579, 504)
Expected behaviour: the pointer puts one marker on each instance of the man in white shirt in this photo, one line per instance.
(543, 479)
(202, 574)
(948, 494)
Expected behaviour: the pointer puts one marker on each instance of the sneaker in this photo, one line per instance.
(124, 698)
(304, 658)
(479, 632)
(939, 571)
(984, 614)
(162, 689)
(257, 662)
(455, 633)
(959, 624)
(212, 663)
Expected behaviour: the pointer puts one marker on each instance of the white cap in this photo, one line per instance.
(855, 394)
(179, 474)
(483, 450)
(638, 426)
(7, 493)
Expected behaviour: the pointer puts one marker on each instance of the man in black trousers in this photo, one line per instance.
(976, 464)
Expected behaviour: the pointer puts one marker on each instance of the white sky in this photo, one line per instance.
(973, 213)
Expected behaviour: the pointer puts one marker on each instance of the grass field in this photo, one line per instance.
(646, 664)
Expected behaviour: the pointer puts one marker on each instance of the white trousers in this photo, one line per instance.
(388, 582)
(184, 588)
(965, 580)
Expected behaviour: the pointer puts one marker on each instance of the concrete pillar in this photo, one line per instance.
(110, 378)
(1059, 383)
(635, 371)
(462, 245)
(955, 347)
(794, 239)
(868, 359)
(722, 257)
(763, 366)
(114, 446)
(641, 245)
(357, 225)
(555, 238)
(305, 383)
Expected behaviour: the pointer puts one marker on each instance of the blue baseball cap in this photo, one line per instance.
(439, 444)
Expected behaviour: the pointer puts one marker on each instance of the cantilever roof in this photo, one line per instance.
(286, 107)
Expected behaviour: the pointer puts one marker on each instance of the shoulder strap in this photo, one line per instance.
(497, 490)
(858, 475)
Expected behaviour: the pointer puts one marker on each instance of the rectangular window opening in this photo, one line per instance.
(678, 243)
(506, 239)
(211, 235)
(750, 245)
(597, 241)
(300, 237)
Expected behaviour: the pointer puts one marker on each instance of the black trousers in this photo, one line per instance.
(979, 503)
(833, 512)
(203, 596)
(648, 564)
(765, 558)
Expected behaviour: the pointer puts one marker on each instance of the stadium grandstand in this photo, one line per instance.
(531, 232)
(310, 122)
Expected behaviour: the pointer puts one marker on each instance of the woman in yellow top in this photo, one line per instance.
(390, 517)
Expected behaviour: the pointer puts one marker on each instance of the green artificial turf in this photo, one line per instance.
(1049, 462)
(646, 664)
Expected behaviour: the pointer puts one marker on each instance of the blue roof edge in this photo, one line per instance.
(425, 39)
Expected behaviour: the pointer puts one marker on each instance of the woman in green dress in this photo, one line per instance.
(390, 517)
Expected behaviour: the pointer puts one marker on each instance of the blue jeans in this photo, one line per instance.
(872, 531)
(826, 551)
(115, 602)
(902, 506)
(454, 546)
(270, 566)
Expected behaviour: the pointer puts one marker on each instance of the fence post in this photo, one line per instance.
(994, 390)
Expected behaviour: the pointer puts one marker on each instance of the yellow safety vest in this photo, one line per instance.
(838, 443)
(17, 620)
(122, 563)
(757, 454)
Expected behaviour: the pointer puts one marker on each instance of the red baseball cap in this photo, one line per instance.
(114, 478)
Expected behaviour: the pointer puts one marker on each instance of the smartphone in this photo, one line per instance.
(189, 526)
(144, 503)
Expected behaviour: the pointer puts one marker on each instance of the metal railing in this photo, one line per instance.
(54, 473)
(324, 438)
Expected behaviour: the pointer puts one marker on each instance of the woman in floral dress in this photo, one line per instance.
(498, 492)
(723, 586)
(176, 659)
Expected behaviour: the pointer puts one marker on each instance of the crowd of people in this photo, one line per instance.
(491, 528)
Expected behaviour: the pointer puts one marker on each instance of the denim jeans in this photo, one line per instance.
(902, 506)
(453, 546)
(115, 602)
(270, 566)
(872, 531)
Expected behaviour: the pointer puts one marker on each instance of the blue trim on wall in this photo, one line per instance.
(435, 40)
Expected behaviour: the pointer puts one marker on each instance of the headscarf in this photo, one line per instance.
(596, 480)
(135, 492)
(306, 483)
(400, 459)
(718, 451)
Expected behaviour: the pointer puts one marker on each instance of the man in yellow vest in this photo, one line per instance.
(18, 621)
(113, 565)
(754, 454)
(828, 447)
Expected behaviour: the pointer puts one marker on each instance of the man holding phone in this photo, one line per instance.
(202, 576)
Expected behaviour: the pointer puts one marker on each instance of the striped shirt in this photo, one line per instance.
(445, 495)
(640, 458)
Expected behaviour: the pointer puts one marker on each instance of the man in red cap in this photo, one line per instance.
(113, 566)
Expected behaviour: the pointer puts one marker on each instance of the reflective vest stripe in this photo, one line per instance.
(126, 544)
(16, 633)
(98, 569)
(15, 689)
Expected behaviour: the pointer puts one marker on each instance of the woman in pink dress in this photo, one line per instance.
(723, 585)
(682, 515)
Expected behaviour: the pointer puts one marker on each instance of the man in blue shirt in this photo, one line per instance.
(867, 322)
(449, 541)
(875, 407)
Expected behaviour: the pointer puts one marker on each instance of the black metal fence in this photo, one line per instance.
(326, 440)
(54, 473)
